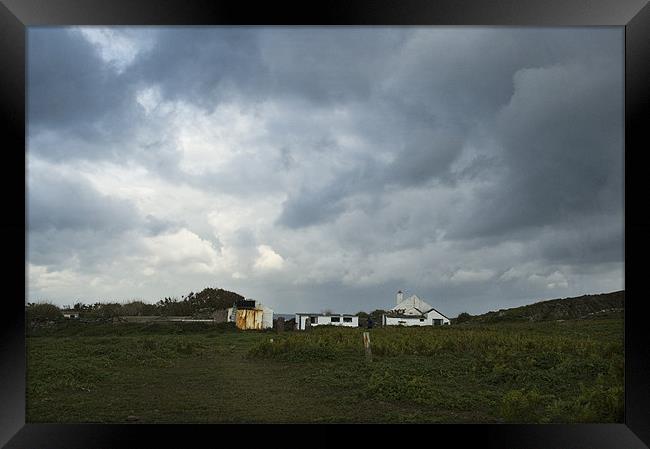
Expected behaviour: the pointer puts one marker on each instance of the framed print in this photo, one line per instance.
(348, 213)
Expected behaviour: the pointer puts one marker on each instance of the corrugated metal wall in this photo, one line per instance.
(249, 319)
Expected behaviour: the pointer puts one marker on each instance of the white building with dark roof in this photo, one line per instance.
(413, 311)
(303, 320)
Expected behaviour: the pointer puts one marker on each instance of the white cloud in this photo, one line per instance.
(183, 251)
(462, 275)
(116, 47)
(208, 142)
(43, 279)
(268, 259)
(149, 98)
(551, 281)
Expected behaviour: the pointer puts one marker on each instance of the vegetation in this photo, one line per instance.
(197, 305)
(547, 371)
(375, 316)
(581, 307)
(42, 313)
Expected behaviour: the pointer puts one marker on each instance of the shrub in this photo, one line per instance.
(524, 406)
(38, 313)
(386, 386)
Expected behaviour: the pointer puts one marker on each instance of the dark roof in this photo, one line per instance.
(399, 315)
(396, 313)
(245, 304)
(436, 311)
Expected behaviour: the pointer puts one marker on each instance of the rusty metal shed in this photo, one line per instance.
(249, 319)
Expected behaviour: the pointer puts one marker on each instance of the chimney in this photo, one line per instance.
(400, 296)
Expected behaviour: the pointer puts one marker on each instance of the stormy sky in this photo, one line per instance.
(325, 168)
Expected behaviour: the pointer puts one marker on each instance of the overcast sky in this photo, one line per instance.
(314, 168)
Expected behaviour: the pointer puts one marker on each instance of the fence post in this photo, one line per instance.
(366, 345)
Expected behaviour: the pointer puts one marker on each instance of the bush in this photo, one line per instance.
(524, 406)
(40, 313)
(386, 386)
(597, 403)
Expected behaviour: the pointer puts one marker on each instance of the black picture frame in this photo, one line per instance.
(17, 15)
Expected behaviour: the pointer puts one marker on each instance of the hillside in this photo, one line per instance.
(580, 307)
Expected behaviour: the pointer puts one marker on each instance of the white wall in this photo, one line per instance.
(267, 316)
(433, 315)
(392, 321)
(322, 320)
(415, 321)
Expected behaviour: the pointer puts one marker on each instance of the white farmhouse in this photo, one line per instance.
(413, 312)
(314, 319)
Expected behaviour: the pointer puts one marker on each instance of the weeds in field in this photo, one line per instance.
(543, 376)
(541, 372)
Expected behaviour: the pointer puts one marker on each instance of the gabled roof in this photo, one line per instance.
(416, 304)
(412, 302)
(437, 312)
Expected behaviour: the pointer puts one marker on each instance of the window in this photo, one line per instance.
(347, 319)
(313, 319)
(421, 320)
(336, 319)
(437, 322)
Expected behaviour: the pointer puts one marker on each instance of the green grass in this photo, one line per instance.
(570, 371)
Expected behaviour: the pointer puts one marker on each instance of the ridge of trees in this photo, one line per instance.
(198, 305)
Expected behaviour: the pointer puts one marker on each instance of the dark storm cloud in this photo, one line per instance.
(72, 92)
(69, 85)
(204, 65)
(424, 155)
(69, 220)
(594, 240)
(562, 135)
(428, 154)
(62, 202)
(557, 114)
(312, 207)
(328, 65)
(424, 158)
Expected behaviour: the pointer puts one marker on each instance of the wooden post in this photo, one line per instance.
(279, 325)
(366, 345)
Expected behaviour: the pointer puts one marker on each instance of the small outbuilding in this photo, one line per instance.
(250, 314)
(304, 320)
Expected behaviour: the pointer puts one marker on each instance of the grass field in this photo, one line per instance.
(557, 371)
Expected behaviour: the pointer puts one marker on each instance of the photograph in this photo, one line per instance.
(325, 224)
